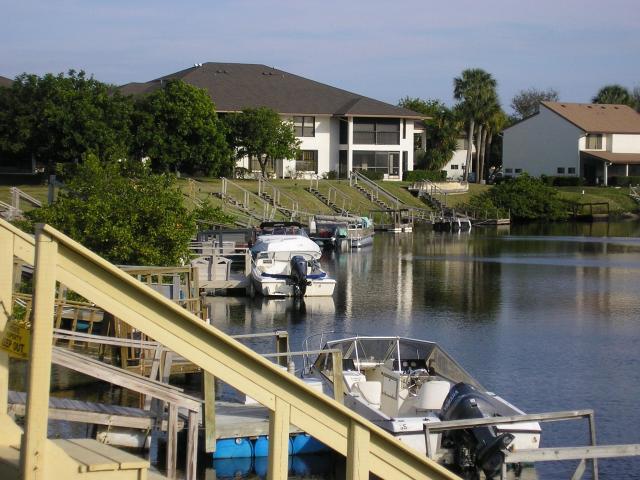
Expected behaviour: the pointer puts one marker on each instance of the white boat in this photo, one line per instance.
(287, 266)
(403, 384)
(342, 231)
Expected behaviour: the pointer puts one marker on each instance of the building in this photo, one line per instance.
(592, 141)
(455, 167)
(339, 131)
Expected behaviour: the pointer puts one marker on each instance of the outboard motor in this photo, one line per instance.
(299, 275)
(479, 448)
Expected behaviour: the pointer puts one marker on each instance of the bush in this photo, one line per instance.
(562, 181)
(331, 175)
(619, 181)
(417, 175)
(372, 174)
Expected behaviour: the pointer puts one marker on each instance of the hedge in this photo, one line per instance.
(563, 181)
(620, 181)
(417, 175)
(372, 174)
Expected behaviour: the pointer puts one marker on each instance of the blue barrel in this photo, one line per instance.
(233, 448)
(232, 468)
(304, 443)
(261, 447)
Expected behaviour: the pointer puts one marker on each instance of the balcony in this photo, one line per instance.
(376, 138)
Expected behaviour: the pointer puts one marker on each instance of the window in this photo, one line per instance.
(593, 141)
(508, 170)
(518, 170)
(344, 131)
(385, 162)
(571, 170)
(307, 161)
(304, 126)
(254, 165)
(560, 169)
(376, 131)
(453, 167)
(404, 128)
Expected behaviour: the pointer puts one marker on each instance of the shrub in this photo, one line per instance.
(241, 173)
(619, 181)
(372, 174)
(562, 181)
(417, 175)
(331, 175)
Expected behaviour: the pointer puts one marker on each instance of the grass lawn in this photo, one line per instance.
(617, 197)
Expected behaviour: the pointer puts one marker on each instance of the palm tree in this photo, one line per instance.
(476, 91)
(495, 125)
(614, 94)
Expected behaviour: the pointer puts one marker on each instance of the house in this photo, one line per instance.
(339, 130)
(592, 141)
(5, 82)
(455, 167)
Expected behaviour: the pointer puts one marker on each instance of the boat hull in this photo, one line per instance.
(276, 287)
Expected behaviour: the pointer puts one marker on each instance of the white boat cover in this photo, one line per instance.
(287, 243)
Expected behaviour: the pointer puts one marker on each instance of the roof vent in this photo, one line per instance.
(563, 105)
(196, 65)
(589, 106)
(603, 108)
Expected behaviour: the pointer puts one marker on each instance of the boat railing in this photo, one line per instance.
(591, 452)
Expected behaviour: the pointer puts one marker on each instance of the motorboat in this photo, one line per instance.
(342, 231)
(407, 386)
(286, 264)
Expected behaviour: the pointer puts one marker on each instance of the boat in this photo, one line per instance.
(405, 386)
(342, 231)
(452, 223)
(286, 264)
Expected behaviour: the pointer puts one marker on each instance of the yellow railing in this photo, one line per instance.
(58, 258)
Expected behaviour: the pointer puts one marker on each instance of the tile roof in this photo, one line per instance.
(615, 158)
(234, 86)
(598, 118)
(5, 82)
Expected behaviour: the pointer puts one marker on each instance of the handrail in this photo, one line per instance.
(359, 177)
(367, 447)
(277, 193)
(268, 211)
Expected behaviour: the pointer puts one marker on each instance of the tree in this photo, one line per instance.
(475, 90)
(496, 123)
(527, 102)
(178, 129)
(260, 133)
(58, 119)
(614, 94)
(443, 128)
(123, 212)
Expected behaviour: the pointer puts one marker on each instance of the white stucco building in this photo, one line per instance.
(339, 130)
(593, 141)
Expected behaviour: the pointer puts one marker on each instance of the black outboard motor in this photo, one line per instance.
(299, 275)
(479, 448)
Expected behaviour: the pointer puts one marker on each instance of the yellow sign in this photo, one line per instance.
(15, 339)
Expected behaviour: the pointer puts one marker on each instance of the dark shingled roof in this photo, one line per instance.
(5, 82)
(234, 86)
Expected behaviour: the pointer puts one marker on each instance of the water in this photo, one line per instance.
(546, 316)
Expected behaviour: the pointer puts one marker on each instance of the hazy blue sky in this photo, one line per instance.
(382, 49)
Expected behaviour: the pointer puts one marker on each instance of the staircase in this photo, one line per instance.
(57, 258)
(334, 199)
(634, 192)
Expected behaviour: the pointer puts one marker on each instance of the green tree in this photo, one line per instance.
(527, 102)
(443, 128)
(59, 118)
(260, 133)
(475, 89)
(614, 94)
(177, 128)
(527, 198)
(123, 212)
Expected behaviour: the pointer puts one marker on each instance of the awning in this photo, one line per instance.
(614, 158)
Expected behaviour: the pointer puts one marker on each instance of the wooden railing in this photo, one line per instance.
(57, 258)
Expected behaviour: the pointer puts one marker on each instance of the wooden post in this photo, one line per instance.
(33, 448)
(338, 385)
(192, 446)
(172, 440)
(7, 273)
(357, 452)
(282, 346)
(209, 412)
(592, 435)
(279, 420)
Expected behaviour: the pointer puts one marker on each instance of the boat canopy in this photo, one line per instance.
(287, 245)
(397, 353)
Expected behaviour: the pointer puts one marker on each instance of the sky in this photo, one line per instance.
(382, 49)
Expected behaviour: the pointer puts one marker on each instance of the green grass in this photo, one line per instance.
(617, 197)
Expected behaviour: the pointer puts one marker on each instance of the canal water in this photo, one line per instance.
(546, 316)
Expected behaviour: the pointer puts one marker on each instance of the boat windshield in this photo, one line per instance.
(396, 353)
